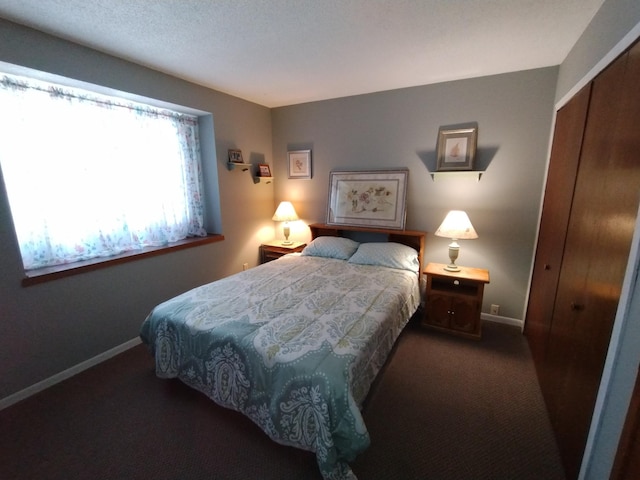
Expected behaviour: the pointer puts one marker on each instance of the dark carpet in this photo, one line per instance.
(442, 408)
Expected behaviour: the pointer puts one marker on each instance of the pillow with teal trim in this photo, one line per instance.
(331, 247)
(390, 254)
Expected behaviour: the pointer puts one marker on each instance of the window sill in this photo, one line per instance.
(41, 275)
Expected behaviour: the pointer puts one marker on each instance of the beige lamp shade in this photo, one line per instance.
(285, 213)
(456, 226)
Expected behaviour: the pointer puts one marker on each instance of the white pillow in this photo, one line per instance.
(389, 254)
(331, 247)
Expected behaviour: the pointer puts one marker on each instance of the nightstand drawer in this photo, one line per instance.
(269, 255)
(274, 250)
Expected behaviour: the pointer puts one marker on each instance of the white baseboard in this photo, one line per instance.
(70, 372)
(506, 320)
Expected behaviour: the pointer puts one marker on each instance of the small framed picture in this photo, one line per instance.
(264, 170)
(235, 156)
(457, 149)
(299, 164)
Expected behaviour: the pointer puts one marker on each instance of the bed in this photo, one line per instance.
(295, 344)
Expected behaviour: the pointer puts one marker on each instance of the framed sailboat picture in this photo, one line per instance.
(457, 149)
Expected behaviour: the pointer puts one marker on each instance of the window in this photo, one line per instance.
(92, 176)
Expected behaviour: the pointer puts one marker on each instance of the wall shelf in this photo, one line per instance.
(241, 166)
(437, 176)
(263, 179)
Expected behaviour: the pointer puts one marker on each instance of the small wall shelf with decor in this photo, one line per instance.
(264, 174)
(236, 161)
(456, 153)
(438, 176)
(244, 167)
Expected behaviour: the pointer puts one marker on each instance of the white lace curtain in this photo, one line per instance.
(89, 176)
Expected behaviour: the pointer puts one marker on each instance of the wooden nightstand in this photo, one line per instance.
(273, 250)
(454, 299)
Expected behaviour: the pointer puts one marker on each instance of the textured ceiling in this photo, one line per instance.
(283, 52)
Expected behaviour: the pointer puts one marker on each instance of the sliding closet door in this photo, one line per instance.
(601, 224)
(561, 177)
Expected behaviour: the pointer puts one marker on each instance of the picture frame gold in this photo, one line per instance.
(456, 149)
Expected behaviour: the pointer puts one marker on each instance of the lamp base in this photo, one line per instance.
(287, 231)
(454, 249)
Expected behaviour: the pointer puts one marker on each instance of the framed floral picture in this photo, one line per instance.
(457, 149)
(299, 163)
(375, 198)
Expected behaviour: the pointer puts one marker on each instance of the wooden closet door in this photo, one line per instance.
(601, 225)
(561, 178)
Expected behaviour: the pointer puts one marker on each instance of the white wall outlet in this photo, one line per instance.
(245, 266)
(495, 309)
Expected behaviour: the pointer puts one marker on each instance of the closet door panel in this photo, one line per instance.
(563, 168)
(599, 236)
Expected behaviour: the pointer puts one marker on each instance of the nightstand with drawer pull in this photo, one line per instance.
(454, 299)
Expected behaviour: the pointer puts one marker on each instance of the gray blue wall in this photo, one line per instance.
(48, 328)
(53, 326)
(399, 129)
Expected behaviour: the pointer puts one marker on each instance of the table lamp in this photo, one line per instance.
(285, 213)
(456, 226)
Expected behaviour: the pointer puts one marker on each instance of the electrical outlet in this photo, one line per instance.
(495, 309)
(245, 266)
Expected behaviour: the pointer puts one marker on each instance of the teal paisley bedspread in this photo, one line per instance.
(293, 344)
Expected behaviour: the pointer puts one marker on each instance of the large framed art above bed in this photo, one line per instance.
(372, 199)
(296, 343)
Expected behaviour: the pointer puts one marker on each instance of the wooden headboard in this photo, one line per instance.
(413, 238)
